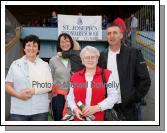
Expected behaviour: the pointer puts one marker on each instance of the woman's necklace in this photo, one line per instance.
(90, 74)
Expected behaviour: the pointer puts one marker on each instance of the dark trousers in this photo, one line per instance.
(58, 106)
(128, 113)
(36, 117)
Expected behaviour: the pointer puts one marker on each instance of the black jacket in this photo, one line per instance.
(133, 75)
(75, 60)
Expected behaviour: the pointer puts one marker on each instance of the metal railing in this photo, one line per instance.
(144, 37)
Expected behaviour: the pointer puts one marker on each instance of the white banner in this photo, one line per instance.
(82, 28)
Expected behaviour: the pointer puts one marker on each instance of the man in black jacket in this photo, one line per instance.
(129, 70)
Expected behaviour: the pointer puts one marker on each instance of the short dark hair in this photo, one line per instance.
(112, 25)
(65, 35)
(31, 38)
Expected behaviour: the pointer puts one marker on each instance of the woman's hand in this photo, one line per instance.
(90, 110)
(25, 94)
(32, 91)
(59, 54)
(78, 113)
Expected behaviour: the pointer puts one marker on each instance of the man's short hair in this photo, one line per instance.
(113, 25)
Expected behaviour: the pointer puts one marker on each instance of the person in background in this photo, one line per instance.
(28, 82)
(147, 25)
(134, 23)
(87, 87)
(129, 70)
(104, 22)
(80, 13)
(53, 20)
(35, 23)
(44, 23)
(133, 29)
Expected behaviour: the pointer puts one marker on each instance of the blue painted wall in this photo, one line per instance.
(49, 37)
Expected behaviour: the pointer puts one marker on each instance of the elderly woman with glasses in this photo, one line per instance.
(87, 88)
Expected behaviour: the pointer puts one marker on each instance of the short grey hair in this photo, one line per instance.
(91, 49)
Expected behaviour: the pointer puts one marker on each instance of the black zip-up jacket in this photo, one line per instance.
(75, 60)
(133, 75)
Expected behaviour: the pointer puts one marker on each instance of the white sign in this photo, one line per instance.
(82, 28)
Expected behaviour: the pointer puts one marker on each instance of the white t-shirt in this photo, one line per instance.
(40, 77)
(65, 62)
(112, 65)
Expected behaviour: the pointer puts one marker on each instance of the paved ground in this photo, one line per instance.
(149, 109)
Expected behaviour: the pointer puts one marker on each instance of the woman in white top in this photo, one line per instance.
(28, 82)
(87, 88)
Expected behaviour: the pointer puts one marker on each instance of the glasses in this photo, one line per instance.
(90, 57)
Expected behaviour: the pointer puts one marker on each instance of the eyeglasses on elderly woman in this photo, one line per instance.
(90, 57)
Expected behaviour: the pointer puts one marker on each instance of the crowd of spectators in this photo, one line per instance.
(52, 21)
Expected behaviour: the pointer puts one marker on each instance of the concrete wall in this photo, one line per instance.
(12, 54)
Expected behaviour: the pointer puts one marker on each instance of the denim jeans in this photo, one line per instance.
(133, 37)
(36, 117)
(140, 112)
